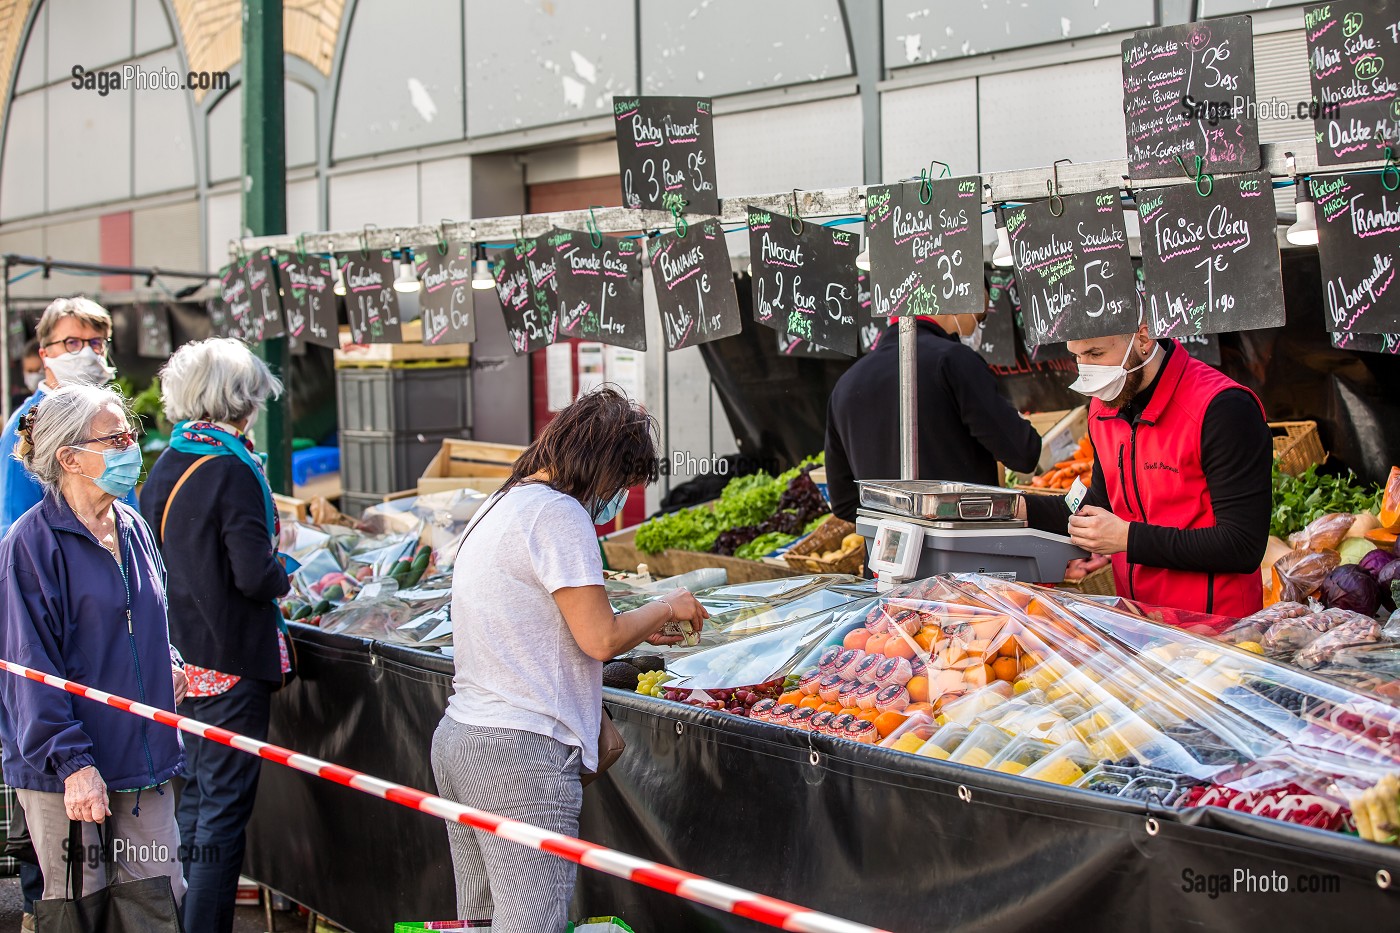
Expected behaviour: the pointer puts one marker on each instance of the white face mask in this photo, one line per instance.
(82, 368)
(32, 380)
(1105, 383)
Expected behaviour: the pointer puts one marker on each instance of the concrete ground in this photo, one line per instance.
(248, 920)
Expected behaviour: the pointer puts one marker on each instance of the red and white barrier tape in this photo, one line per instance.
(723, 897)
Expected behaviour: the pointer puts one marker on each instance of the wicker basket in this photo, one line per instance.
(1098, 583)
(806, 556)
(1297, 445)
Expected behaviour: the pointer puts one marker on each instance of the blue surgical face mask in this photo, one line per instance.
(609, 511)
(120, 473)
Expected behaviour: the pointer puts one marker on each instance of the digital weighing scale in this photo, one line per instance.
(919, 528)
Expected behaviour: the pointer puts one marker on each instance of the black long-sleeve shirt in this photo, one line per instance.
(965, 425)
(1237, 458)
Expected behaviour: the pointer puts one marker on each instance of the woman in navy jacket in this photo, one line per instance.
(211, 509)
(83, 597)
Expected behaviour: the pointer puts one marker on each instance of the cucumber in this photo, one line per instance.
(333, 594)
(323, 607)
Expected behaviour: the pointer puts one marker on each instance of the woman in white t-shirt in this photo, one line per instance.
(532, 627)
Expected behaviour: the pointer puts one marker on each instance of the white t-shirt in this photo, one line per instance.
(517, 664)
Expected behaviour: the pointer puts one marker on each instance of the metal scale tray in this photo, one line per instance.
(967, 529)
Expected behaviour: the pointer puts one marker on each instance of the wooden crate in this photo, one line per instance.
(464, 464)
(620, 551)
(1297, 445)
(412, 350)
(289, 507)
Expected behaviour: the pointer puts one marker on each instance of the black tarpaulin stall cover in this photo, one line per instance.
(858, 831)
(777, 405)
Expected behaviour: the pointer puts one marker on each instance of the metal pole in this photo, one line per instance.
(908, 399)
(5, 336)
(265, 201)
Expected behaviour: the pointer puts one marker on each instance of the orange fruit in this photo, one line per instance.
(813, 701)
(1040, 608)
(875, 644)
(868, 715)
(1006, 669)
(856, 638)
(1010, 648)
(792, 696)
(927, 636)
(949, 681)
(978, 675)
(852, 710)
(833, 708)
(1028, 661)
(897, 647)
(913, 708)
(918, 688)
(885, 723)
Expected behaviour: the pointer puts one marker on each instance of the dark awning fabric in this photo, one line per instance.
(858, 831)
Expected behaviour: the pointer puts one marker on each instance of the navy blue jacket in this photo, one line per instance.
(64, 611)
(224, 574)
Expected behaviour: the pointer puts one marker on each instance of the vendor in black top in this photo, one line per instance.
(1181, 492)
(965, 425)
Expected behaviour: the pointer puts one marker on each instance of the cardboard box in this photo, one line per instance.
(464, 464)
(388, 354)
(620, 550)
(1060, 440)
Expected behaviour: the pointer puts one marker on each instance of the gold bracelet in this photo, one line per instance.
(669, 608)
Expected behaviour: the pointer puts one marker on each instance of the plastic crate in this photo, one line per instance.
(355, 503)
(314, 461)
(404, 399)
(381, 463)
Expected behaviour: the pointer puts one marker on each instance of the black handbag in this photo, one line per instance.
(145, 906)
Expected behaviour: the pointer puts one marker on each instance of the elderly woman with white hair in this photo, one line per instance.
(82, 595)
(210, 507)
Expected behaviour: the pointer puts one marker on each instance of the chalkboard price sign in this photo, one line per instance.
(220, 322)
(804, 282)
(237, 304)
(1368, 343)
(1211, 264)
(926, 257)
(445, 298)
(371, 304)
(871, 329)
(1074, 271)
(1354, 66)
(1204, 347)
(1188, 93)
(600, 290)
(666, 152)
(796, 347)
(1358, 230)
(308, 299)
(154, 334)
(528, 310)
(694, 286)
(260, 271)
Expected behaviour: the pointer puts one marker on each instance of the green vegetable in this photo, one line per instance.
(814, 524)
(1309, 495)
(761, 545)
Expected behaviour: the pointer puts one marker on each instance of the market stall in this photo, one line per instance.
(828, 740)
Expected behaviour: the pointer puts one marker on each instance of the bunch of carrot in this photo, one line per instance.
(1062, 475)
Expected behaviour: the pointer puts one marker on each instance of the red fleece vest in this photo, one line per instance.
(1154, 475)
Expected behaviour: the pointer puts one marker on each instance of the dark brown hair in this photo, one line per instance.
(600, 444)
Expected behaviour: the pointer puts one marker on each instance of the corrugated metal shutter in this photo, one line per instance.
(1281, 74)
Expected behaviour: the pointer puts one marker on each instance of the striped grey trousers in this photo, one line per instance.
(524, 776)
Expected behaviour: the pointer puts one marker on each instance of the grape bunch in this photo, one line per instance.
(649, 682)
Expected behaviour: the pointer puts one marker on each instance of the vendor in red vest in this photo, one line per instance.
(1181, 488)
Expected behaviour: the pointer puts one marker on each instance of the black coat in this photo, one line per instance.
(965, 425)
(224, 576)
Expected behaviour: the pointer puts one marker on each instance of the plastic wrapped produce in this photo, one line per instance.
(1348, 634)
(1298, 574)
(1322, 534)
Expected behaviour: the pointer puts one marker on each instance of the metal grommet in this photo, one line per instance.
(1153, 827)
(964, 793)
(1383, 879)
(679, 727)
(814, 758)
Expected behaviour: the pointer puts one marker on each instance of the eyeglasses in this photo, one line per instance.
(119, 441)
(76, 344)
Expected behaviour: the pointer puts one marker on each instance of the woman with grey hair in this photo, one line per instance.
(82, 596)
(212, 512)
